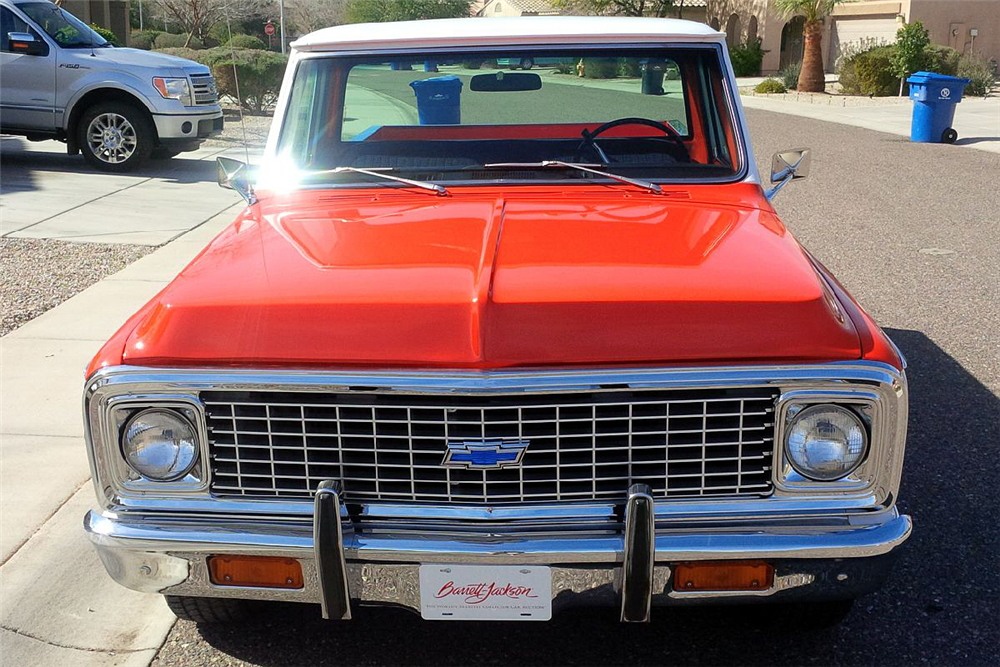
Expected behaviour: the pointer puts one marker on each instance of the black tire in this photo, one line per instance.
(949, 136)
(207, 610)
(526, 63)
(161, 153)
(142, 134)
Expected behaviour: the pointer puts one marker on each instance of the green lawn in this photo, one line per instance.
(386, 97)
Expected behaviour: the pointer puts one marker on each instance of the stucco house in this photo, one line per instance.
(692, 10)
(508, 8)
(965, 25)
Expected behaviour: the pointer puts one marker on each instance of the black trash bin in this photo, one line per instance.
(652, 77)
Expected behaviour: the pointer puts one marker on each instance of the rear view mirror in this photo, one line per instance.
(235, 175)
(788, 166)
(794, 163)
(25, 42)
(505, 82)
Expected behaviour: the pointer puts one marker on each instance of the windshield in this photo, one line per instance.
(68, 31)
(655, 113)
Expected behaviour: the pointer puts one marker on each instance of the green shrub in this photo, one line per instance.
(874, 72)
(980, 72)
(852, 49)
(630, 68)
(143, 39)
(260, 74)
(871, 71)
(790, 75)
(747, 58)
(941, 59)
(199, 56)
(600, 68)
(168, 40)
(909, 53)
(220, 32)
(106, 34)
(849, 54)
(479, 63)
(567, 67)
(770, 86)
(247, 42)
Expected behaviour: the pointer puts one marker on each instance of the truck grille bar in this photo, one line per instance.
(203, 87)
(580, 446)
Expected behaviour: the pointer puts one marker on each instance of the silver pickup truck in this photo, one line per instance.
(61, 80)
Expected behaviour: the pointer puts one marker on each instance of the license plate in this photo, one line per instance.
(485, 592)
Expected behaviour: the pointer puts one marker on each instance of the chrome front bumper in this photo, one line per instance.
(630, 570)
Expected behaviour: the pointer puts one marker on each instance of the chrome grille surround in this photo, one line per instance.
(874, 490)
(204, 89)
(582, 446)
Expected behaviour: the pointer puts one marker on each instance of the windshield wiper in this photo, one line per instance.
(380, 173)
(589, 168)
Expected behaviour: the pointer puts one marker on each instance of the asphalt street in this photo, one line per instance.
(912, 231)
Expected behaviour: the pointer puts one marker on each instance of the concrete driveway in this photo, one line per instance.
(45, 193)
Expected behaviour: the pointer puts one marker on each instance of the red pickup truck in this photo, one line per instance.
(488, 344)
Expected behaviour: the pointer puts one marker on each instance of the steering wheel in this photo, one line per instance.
(589, 137)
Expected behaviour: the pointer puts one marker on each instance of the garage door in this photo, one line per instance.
(851, 30)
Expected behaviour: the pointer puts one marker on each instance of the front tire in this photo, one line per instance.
(115, 136)
(206, 610)
(526, 63)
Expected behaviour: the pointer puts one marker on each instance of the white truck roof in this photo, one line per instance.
(532, 30)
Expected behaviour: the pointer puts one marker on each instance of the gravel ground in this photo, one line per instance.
(911, 230)
(39, 274)
(232, 130)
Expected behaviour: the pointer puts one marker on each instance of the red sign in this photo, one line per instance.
(268, 28)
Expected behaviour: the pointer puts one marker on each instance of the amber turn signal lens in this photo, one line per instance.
(724, 576)
(257, 571)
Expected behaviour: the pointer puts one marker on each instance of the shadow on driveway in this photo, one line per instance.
(939, 605)
(21, 166)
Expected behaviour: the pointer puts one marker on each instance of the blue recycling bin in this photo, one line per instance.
(934, 98)
(438, 100)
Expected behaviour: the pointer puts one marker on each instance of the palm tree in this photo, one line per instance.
(811, 76)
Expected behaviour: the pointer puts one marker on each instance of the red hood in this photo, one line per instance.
(485, 278)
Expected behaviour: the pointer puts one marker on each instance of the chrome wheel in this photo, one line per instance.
(111, 138)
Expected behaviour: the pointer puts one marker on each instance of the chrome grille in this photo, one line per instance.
(583, 446)
(203, 87)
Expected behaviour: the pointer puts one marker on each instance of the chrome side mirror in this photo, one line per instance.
(25, 42)
(788, 166)
(235, 175)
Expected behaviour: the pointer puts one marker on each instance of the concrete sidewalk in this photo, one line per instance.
(59, 607)
(977, 120)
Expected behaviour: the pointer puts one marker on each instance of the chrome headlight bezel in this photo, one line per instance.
(126, 480)
(864, 404)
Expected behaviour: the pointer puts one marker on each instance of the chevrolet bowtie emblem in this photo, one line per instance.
(484, 454)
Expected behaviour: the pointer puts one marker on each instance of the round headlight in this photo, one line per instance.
(826, 442)
(160, 444)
